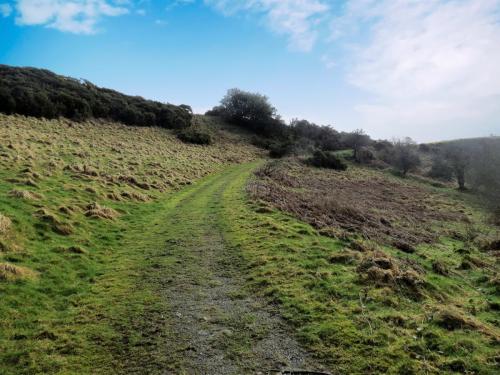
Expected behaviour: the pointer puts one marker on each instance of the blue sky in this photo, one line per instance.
(427, 69)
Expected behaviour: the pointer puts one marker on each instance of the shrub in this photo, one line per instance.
(365, 155)
(280, 149)
(196, 135)
(41, 93)
(441, 169)
(404, 156)
(323, 159)
(356, 140)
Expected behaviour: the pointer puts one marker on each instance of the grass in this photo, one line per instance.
(86, 210)
(77, 201)
(360, 325)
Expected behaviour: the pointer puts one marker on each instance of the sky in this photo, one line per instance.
(428, 69)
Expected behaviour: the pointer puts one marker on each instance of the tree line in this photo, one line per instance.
(41, 93)
(473, 164)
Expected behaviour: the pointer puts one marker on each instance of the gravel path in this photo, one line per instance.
(217, 327)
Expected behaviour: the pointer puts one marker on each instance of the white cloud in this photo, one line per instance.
(299, 20)
(75, 16)
(428, 64)
(5, 10)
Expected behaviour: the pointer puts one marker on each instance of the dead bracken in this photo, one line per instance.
(377, 207)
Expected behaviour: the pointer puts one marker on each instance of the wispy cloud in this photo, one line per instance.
(75, 16)
(298, 20)
(426, 62)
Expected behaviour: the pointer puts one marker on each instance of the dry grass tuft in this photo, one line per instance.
(452, 319)
(381, 269)
(5, 224)
(64, 229)
(345, 257)
(76, 250)
(10, 272)
(97, 211)
(135, 196)
(24, 194)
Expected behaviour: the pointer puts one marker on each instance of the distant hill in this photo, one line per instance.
(41, 93)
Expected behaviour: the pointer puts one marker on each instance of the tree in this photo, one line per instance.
(356, 140)
(242, 106)
(441, 168)
(252, 111)
(459, 158)
(405, 157)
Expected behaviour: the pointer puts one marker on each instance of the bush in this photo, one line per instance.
(41, 93)
(323, 159)
(196, 135)
(365, 155)
(280, 149)
(404, 156)
(441, 169)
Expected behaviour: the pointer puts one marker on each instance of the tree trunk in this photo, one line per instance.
(461, 179)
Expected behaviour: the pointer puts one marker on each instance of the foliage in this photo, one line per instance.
(195, 134)
(404, 156)
(41, 93)
(80, 303)
(324, 159)
(356, 140)
(323, 137)
(252, 111)
(441, 169)
(458, 156)
(280, 149)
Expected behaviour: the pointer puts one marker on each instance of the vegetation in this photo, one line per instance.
(79, 204)
(252, 111)
(196, 135)
(148, 250)
(404, 156)
(41, 93)
(322, 159)
(374, 285)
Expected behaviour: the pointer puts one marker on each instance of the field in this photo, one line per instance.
(124, 250)
(76, 202)
(392, 276)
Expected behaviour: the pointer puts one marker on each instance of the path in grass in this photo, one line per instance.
(215, 326)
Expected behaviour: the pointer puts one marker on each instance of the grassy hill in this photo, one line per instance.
(76, 200)
(124, 250)
(390, 275)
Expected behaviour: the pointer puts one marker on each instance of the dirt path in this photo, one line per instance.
(215, 326)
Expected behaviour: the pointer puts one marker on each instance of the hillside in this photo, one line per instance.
(76, 203)
(42, 93)
(138, 238)
(391, 275)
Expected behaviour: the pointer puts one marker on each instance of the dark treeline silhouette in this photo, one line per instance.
(41, 93)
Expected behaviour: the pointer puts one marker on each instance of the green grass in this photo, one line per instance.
(84, 301)
(358, 327)
(91, 301)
